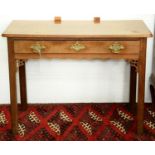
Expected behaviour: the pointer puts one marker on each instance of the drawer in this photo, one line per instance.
(47, 47)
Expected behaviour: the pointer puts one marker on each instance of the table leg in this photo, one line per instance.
(141, 87)
(22, 80)
(133, 82)
(152, 91)
(12, 77)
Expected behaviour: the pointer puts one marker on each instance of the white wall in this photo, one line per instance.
(69, 80)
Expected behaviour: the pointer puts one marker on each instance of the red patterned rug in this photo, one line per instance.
(84, 122)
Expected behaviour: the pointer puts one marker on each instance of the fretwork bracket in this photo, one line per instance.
(19, 63)
(134, 63)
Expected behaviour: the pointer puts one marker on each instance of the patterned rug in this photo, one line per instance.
(77, 122)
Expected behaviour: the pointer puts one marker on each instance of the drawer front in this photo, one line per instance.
(56, 47)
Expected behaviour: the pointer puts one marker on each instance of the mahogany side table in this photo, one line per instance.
(126, 39)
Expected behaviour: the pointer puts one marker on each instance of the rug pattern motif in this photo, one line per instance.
(76, 122)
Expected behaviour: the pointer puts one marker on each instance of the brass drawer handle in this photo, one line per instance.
(116, 47)
(77, 46)
(37, 48)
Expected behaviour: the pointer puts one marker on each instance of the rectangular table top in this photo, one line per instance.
(77, 29)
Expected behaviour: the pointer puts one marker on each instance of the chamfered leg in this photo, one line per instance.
(12, 78)
(22, 80)
(133, 82)
(141, 86)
